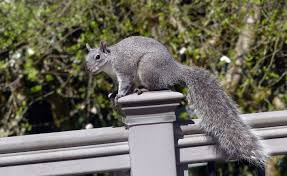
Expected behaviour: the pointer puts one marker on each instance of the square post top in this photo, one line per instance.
(150, 107)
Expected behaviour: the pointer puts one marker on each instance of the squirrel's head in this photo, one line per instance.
(97, 57)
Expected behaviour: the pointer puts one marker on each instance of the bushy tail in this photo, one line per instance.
(220, 118)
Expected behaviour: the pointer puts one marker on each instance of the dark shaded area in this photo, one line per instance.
(40, 117)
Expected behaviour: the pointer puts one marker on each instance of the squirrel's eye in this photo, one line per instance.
(97, 57)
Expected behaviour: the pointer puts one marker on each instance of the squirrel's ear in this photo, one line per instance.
(88, 47)
(103, 47)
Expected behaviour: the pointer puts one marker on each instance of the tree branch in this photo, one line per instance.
(245, 40)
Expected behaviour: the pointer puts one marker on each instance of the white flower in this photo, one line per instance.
(250, 20)
(94, 110)
(82, 106)
(52, 40)
(89, 126)
(30, 51)
(225, 59)
(182, 50)
(16, 55)
(12, 62)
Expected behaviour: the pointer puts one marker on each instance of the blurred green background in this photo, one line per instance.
(45, 88)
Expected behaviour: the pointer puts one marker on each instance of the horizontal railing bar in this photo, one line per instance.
(266, 119)
(271, 132)
(116, 148)
(263, 133)
(71, 153)
(197, 165)
(255, 120)
(195, 140)
(63, 139)
(206, 153)
(119, 134)
(276, 146)
(70, 167)
(198, 154)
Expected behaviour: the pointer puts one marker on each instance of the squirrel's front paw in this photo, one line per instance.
(112, 95)
(115, 102)
(118, 96)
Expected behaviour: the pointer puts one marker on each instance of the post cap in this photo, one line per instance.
(151, 98)
(150, 107)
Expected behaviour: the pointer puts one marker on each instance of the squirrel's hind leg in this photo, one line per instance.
(153, 71)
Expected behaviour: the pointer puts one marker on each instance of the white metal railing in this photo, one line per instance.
(146, 146)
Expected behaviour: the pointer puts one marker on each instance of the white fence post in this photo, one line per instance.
(149, 118)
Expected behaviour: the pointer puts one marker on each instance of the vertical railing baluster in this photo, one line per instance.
(211, 168)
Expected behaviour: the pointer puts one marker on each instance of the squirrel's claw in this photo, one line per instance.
(112, 95)
(112, 98)
(140, 90)
(118, 96)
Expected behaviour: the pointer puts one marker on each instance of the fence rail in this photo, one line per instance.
(111, 149)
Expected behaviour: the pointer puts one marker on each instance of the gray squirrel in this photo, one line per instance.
(144, 62)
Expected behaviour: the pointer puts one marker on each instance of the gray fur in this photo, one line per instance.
(140, 61)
